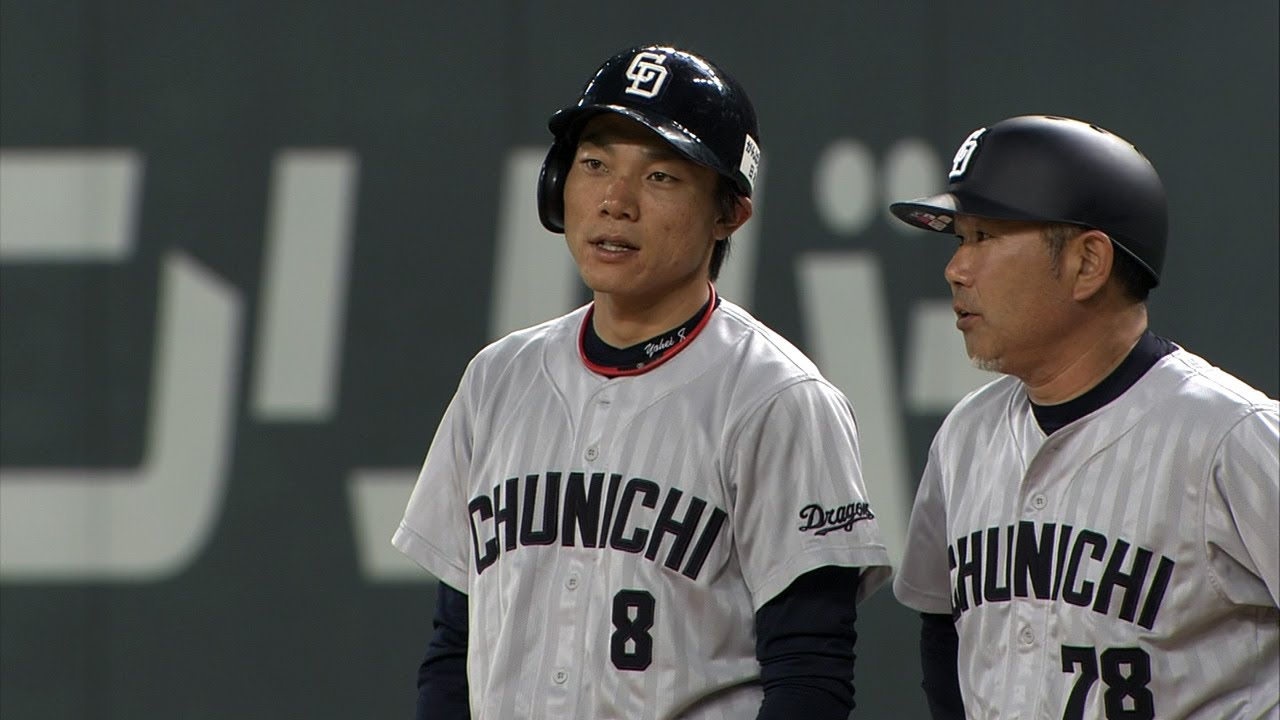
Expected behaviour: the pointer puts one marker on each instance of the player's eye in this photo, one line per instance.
(660, 176)
(590, 163)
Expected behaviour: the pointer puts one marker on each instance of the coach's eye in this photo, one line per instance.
(976, 236)
(660, 176)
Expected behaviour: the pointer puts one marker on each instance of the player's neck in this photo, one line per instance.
(624, 321)
(1089, 355)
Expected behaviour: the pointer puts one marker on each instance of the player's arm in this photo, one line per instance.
(939, 648)
(442, 677)
(804, 641)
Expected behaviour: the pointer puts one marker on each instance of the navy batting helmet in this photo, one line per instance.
(689, 102)
(1053, 169)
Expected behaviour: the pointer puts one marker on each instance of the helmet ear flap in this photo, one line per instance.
(551, 187)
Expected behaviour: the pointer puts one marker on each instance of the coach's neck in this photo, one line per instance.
(1088, 353)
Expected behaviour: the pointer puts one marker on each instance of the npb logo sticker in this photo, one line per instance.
(750, 160)
(647, 74)
(960, 163)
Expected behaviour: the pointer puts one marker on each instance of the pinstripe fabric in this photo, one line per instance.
(701, 469)
(1158, 515)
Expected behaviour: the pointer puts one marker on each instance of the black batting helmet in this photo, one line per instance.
(689, 102)
(1053, 169)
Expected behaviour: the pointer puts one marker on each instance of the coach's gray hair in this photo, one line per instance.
(1133, 280)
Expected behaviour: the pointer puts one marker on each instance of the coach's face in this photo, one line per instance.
(640, 219)
(1011, 300)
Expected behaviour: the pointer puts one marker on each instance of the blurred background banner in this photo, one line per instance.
(247, 248)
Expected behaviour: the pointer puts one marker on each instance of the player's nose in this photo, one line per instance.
(619, 200)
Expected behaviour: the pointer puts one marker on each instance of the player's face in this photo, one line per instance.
(1011, 302)
(640, 219)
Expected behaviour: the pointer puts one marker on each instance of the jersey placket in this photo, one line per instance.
(1036, 622)
(1029, 632)
(574, 654)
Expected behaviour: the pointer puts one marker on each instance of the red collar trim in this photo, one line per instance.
(613, 372)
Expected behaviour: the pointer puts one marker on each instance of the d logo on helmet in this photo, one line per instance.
(646, 74)
(960, 163)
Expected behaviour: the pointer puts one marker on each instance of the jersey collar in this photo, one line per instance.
(643, 356)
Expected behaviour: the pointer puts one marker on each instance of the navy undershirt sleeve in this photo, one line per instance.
(939, 648)
(804, 641)
(442, 677)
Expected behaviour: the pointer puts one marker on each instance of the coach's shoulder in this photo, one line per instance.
(1214, 389)
(996, 394)
(982, 412)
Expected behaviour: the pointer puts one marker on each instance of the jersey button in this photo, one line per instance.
(1026, 636)
(561, 677)
(592, 453)
(572, 582)
(1038, 502)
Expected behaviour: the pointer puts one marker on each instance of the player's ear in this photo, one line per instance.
(1094, 255)
(729, 222)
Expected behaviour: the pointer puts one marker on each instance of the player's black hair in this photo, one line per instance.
(727, 198)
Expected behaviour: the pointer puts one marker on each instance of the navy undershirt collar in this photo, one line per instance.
(1141, 358)
(603, 357)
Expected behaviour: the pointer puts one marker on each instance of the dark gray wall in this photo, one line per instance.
(274, 615)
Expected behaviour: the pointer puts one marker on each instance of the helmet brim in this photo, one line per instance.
(938, 213)
(567, 125)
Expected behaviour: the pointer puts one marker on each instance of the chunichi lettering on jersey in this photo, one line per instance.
(600, 511)
(1047, 561)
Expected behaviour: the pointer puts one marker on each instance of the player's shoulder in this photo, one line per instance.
(523, 349)
(757, 365)
(763, 347)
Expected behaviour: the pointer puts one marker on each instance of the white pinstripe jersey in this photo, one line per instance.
(1127, 566)
(615, 537)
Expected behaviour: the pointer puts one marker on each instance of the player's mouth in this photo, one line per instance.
(612, 247)
(964, 318)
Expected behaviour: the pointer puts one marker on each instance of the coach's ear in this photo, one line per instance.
(1091, 257)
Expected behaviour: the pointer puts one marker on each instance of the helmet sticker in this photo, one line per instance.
(931, 220)
(750, 160)
(646, 74)
(960, 163)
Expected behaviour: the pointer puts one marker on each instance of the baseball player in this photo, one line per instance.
(1095, 533)
(651, 507)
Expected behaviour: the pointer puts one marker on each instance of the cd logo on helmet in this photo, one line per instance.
(646, 74)
(960, 163)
